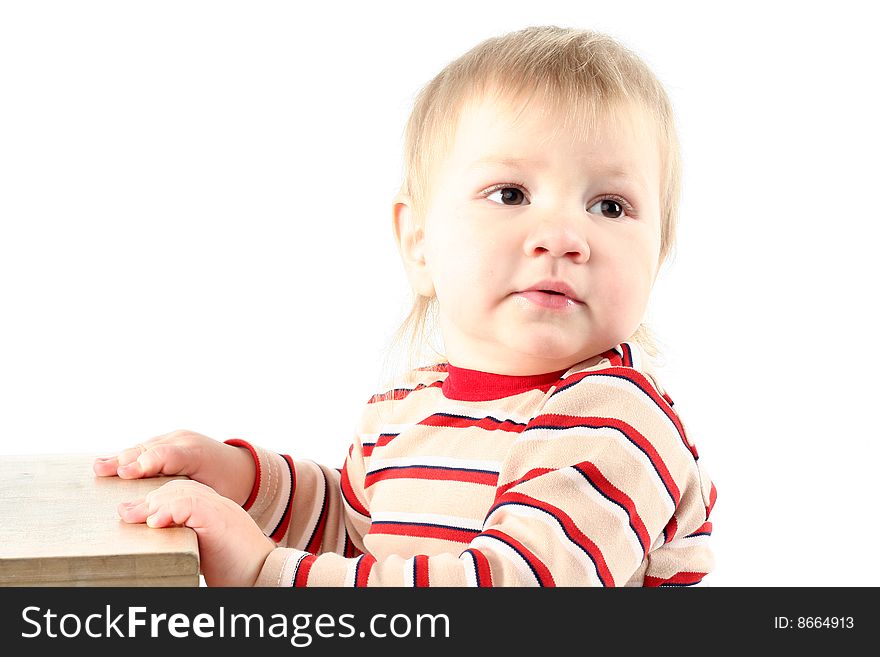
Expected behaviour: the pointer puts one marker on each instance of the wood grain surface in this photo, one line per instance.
(59, 527)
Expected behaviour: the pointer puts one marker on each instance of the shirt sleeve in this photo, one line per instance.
(602, 488)
(306, 506)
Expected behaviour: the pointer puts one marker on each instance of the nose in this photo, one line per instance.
(558, 239)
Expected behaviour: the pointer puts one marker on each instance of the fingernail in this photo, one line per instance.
(152, 520)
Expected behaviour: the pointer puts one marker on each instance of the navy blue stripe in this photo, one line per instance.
(477, 419)
(424, 524)
(682, 585)
(357, 569)
(524, 558)
(431, 467)
(623, 508)
(476, 566)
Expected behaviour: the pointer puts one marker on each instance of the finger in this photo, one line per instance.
(187, 506)
(105, 466)
(161, 518)
(130, 454)
(168, 491)
(157, 459)
(109, 465)
(133, 512)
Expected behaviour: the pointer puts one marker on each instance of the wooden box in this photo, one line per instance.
(59, 527)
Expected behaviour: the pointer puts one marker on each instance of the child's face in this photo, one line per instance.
(503, 238)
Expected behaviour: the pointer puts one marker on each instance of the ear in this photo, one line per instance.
(410, 236)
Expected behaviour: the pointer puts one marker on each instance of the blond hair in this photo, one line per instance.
(579, 74)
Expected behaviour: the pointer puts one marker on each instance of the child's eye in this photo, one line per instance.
(609, 208)
(507, 195)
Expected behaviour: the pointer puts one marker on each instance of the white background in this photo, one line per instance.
(195, 233)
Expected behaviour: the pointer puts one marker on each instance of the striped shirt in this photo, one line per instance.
(461, 478)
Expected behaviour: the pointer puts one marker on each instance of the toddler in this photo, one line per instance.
(539, 200)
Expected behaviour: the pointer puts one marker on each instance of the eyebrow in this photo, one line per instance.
(616, 172)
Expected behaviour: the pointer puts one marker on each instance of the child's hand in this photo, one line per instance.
(232, 548)
(228, 470)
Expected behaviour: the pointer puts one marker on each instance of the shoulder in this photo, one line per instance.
(627, 361)
(622, 389)
(626, 373)
(616, 411)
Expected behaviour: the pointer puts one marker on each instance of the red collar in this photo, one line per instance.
(472, 385)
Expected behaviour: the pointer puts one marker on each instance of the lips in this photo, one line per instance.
(551, 294)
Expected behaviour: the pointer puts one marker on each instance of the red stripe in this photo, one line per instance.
(484, 571)
(432, 474)
(280, 530)
(575, 535)
(613, 357)
(367, 448)
(670, 529)
(683, 578)
(302, 572)
(365, 565)
(627, 354)
(350, 550)
(609, 490)
(348, 493)
(420, 566)
(402, 393)
(705, 528)
(531, 474)
(455, 534)
(459, 422)
(713, 495)
(384, 439)
(541, 572)
(236, 442)
(554, 421)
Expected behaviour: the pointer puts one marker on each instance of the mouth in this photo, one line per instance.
(551, 294)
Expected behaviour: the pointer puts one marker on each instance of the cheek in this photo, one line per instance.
(463, 264)
(626, 288)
